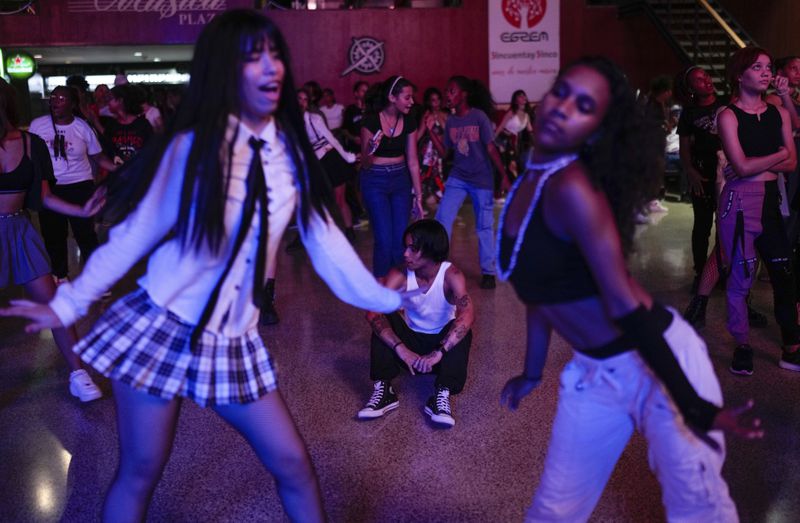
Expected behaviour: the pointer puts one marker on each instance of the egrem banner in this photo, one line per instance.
(523, 47)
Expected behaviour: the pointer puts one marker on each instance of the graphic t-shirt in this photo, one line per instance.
(468, 136)
(75, 142)
(700, 124)
(127, 140)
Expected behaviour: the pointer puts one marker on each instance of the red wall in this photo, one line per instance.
(426, 45)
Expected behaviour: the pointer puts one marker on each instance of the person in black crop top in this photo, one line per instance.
(600, 155)
(757, 140)
(25, 177)
(390, 169)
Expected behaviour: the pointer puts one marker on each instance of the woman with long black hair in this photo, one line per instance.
(563, 235)
(210, 201)
(469, 133)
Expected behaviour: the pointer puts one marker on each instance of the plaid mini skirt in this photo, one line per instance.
(148, 348)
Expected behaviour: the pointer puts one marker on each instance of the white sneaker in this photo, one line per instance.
(657, 206)
(82, 387)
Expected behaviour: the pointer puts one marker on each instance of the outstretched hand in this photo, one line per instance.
(517, 388)
(407, 295)
(94, 204)
(40, 314)
(736, 421)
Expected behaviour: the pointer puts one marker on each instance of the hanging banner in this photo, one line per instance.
(523, 47)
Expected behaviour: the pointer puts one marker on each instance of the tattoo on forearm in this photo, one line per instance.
(455, 335)
(379, 324)
(463, 302)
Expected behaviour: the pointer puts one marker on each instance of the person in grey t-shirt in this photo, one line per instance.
(469, 133)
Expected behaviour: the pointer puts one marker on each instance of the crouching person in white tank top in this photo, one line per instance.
(431, 335)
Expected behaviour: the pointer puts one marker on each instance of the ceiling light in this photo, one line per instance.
(67, 62)
(137, 53)
(38, 56)
(156, 59)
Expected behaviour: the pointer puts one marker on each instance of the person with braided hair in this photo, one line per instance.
(74, 148)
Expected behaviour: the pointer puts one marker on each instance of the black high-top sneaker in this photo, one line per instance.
(695, 313)
(438, 407)
(383, 400)
(742, 363)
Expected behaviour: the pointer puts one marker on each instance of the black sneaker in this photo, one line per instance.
(756, 319)
(382, 401)
(487, 281)
(742, 363)
(438, 407)
(695, 312)
(790, 360)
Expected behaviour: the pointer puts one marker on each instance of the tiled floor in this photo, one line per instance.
(57, 456)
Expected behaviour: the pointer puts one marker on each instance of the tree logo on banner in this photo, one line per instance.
(532, 11)
(366, 56)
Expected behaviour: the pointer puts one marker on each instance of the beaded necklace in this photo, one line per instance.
(548, 169)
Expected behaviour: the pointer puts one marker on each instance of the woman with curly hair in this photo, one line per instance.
(563, 236)
(757, 140)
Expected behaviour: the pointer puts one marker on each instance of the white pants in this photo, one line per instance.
(600, 404)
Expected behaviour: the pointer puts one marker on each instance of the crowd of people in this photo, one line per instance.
(206, 192)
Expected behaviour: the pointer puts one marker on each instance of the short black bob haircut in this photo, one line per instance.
(430, 238)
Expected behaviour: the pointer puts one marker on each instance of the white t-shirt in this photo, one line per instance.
(333, 115)
(153, 116)
(79, 143)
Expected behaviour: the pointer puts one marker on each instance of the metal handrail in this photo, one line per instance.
(721, 21)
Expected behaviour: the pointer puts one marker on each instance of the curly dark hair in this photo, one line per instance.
(625, 159)
(478, 95)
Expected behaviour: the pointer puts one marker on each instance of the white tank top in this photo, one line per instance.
(429, 312)
(517, 124)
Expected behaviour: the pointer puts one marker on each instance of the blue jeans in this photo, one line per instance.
(386, 190)
(455, 191)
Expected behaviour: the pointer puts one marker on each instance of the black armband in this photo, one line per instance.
(646, 329)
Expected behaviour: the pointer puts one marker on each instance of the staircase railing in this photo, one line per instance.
(704, 32)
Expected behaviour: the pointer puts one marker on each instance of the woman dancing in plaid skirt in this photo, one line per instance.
(209, 205)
